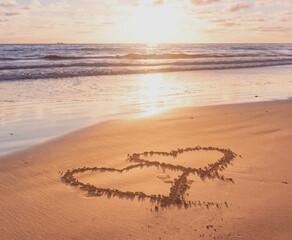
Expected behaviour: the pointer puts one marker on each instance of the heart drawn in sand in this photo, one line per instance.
(179, 186)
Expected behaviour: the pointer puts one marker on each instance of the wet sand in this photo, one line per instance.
(220, 172)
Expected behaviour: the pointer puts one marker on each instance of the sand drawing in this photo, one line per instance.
(179, 187)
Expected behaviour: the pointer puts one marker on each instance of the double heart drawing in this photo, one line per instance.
(179, 186)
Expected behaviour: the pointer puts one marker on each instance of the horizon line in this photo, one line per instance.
(72, 43)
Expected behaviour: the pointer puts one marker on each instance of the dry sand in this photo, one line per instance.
(221, 172)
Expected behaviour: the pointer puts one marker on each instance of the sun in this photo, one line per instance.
(154, 24)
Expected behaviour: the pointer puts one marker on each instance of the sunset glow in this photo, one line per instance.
(136, 21)
(155, 24)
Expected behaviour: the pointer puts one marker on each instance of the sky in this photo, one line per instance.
(145, 21)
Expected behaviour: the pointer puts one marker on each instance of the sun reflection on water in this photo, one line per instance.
(152, 94)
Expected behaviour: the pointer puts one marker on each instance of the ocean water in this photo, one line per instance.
(49, 90)
(60, 61)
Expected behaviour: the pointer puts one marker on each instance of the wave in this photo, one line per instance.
(138, 56)
(180, 56)
(57, 57)
(67, 73)
(52, 58)
(7, 59)
(281, 61)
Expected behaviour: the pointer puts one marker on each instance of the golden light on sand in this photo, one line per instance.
(155, 24)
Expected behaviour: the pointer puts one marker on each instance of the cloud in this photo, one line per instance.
(286, 19)
(10, 3)
(84, 32)
(42, 27)
(26, 8)
(265, 2)
(229, 24)
(273, 2)
(271, 29)
(206, 12)
(224, 22)
(251, 18)
(238, 6)
(79, 23)
(158, 2)
(289, 12)
(218, 20)
(128, 2)
(36, 3)
(11, 14)
(204, 2)
(108, 23)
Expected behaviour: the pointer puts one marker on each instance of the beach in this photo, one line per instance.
(143, 120)
(248, 145)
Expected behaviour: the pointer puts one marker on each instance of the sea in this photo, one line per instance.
(47, 91)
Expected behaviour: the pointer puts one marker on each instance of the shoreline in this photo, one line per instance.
(137, 116)
(52, 113)
(34, 198)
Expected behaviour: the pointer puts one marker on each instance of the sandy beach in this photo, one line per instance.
(144, 120)
(219, 172)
